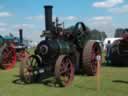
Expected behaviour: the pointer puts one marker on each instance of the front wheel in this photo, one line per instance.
(28, 69)
(64, 70)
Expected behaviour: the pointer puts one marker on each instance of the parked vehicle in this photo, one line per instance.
(61, 54)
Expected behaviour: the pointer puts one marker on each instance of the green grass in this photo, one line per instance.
(114, 82)
(81, 86)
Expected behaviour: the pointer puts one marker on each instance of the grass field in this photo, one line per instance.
(114, 82)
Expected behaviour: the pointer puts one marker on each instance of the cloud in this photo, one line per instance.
(3, 24)
(5, 14)
(68, 18)
(23, 26)
(119, 10)
(107, 3)
(102, 23)
(2, 29)
(72, 18)
(39, 17)
(102, 18)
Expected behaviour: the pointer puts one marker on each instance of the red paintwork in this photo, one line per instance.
(9, 58)
(93, 58)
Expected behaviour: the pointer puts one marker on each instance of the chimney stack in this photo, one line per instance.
(48, 17)
(21, 35)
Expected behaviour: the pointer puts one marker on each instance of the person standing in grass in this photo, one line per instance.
(108, 49)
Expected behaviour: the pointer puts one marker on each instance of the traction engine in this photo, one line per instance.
(62, 54)
(119, 51)
(7, 53)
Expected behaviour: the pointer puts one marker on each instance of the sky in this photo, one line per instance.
(104, 15)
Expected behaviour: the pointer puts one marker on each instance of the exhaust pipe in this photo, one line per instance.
(21, 35)
(48, 17)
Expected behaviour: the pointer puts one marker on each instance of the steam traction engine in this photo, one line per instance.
(7, 53)
(62, 53)
(11, 50)
(119, 51)
(20, 47)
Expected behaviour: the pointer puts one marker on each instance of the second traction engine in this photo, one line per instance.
(119, 51)
(62, 53)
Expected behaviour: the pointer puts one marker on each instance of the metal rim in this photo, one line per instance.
(64, 70)
(89, 57)
(93, 58)
(9, 58)
(27, 69)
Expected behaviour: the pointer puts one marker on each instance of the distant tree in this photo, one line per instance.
(119, 32)
(104, 35)
(97, 35)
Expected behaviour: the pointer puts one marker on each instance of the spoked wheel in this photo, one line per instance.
(89, 57)
(8, 58)
(21, 55)
(64, 70)
(28, 69)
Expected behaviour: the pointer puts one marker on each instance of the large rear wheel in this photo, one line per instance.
(90, 51)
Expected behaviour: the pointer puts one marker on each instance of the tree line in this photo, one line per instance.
(120, 31)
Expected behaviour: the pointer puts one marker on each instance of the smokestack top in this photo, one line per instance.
(48, 6)
(48, 17)
(20, 30)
